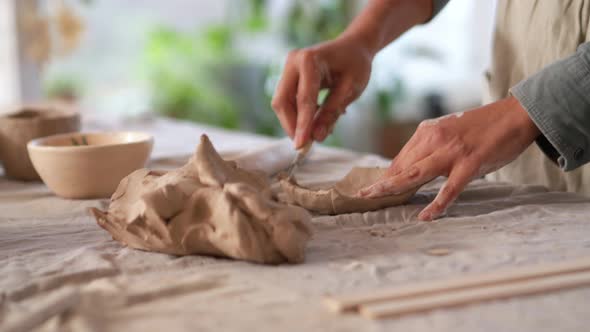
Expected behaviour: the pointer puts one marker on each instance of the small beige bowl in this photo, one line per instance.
(89, 165)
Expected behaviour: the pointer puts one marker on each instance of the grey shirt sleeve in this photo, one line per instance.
(557, 99)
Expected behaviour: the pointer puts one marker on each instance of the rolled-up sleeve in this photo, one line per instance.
(557, 99)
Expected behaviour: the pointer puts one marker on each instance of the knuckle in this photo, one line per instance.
(277, 104)
(423, 124)
(292, 55)
(437, 133)
(431, 130)
(306, 56)
(413, 172)
(461, 148)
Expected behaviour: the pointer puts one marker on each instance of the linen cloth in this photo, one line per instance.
(52, 252)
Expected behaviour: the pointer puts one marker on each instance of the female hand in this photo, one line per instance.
(460, 147)
(342, 65)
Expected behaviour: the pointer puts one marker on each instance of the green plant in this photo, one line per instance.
(202, 77)
(180, 68)
(386, 99)
(256, 20)
(65, 87)
(310, 22)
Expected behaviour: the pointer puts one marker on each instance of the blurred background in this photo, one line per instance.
(218, 62)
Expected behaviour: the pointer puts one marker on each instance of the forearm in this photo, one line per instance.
(382, 21)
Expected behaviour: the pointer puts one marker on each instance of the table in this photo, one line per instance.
(50, 247)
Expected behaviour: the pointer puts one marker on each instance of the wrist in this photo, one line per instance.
(522, 118)
(359, 41)
(383, 21)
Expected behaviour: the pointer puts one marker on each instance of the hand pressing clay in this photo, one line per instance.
(341, 198)
(208, 207)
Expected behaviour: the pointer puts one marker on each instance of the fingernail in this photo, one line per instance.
(320, 134)
(425, 216)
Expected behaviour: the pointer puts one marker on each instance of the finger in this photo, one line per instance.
(393, 168)
(283, 102)
(307, 98)
(288, 118)
(413, 152)
(447, 194)
(334, 106)
(417, 148)
(416, 175)
(408, 156)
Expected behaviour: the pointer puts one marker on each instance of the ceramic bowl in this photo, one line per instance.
(89, 165)
(25, 123)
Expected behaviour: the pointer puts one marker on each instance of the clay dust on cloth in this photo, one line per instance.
(54, 255)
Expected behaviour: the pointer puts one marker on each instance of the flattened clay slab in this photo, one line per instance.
(341, 198)
(210, 207)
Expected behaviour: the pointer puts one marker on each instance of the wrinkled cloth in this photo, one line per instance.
(50, 248)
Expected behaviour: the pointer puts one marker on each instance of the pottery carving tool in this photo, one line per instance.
(299, 158)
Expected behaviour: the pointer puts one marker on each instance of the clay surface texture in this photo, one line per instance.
(341, 197)
(207, 207)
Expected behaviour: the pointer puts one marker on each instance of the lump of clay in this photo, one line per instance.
(341, 197)
(209, 207)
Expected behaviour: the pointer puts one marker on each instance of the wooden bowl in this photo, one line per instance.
(25, 123)
(89, 165)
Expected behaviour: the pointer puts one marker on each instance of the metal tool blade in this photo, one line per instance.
(299, 158)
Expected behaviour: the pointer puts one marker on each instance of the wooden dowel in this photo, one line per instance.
(465, 296)
(352, 302)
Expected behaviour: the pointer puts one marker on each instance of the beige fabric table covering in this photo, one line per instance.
(49, 246)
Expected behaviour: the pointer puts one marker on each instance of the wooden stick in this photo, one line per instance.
(471, 295)
(352, 302)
